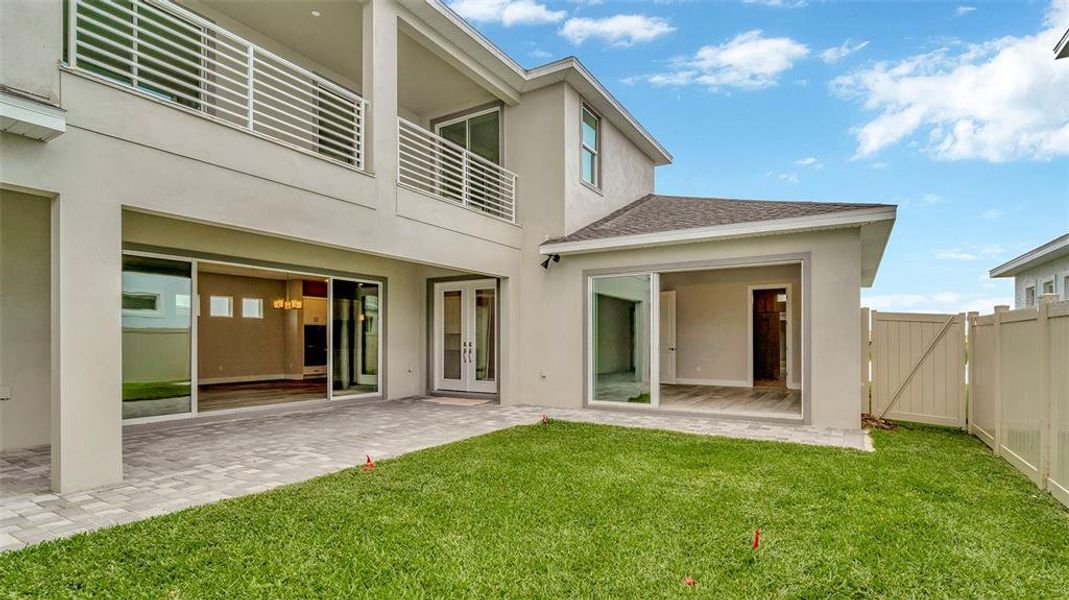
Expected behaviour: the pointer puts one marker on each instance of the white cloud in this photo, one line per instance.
(617, 30)
(507, 12)
(963, 10)
(810, 161)
(996, 101)
(791, 178)
(986, 252)
(955, 255)
(836, 53)
(778, 3)
(539, 54)
(938, 302)
(748, 61)
(992, 214)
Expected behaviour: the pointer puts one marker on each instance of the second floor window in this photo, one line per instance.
(591, 149)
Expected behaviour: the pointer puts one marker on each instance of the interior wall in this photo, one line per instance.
(711, 321)
(238, 348)
(614, 338)
(25, 319)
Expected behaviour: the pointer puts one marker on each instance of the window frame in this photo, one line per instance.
(1035, 298)
(259, 311)
(1052, 280)
(230, 307)
(466, 117)
(158, 311)
(595, 152)
(1064, 276)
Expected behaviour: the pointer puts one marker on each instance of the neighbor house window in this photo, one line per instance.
(221, 306)
(252, 308)
(1065, 287)
(591, 159)
(1048, 286)
(1030, 295)
(140, 303)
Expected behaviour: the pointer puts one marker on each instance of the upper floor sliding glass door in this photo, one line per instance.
(621, 333)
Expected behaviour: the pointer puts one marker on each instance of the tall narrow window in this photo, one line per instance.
(591, 149)
(1030, 295)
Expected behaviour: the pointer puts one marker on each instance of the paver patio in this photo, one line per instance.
(187, 464)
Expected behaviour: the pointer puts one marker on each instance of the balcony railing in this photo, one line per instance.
(433, 165)
(165, 51)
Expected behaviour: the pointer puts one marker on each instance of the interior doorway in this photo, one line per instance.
(465, 336)
(769, 337)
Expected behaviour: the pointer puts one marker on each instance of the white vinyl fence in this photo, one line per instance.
(1005, 378)
(1019, 390)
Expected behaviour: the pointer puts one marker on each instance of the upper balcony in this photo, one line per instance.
(168, 52)
(450, 131)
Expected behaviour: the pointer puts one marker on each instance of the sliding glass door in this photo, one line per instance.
(355, 321)
(203, 336)
(622, 331)
(157, 337)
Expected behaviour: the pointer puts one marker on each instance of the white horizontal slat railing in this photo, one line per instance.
(433, 165)
(163, 50)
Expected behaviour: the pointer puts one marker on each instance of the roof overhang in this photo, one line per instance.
(21, 115)
(875, 224)
(1053, 249)
(1061, 49)
(479, 49)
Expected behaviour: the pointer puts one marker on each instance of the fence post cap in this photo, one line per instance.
(1002, 308)
(1048, 298)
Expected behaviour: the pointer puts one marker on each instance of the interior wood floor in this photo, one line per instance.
(757, 401)
(222, 396)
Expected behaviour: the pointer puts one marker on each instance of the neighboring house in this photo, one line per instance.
(214, 206)
(1042, 270)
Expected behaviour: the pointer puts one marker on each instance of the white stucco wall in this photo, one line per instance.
(626, 173)
(25, 316)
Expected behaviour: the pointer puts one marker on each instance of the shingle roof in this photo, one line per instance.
(655, 213)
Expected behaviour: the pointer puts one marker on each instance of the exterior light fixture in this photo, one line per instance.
(552, 257)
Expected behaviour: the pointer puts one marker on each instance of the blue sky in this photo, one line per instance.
(955, 111)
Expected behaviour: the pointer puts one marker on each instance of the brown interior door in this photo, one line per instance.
(766, 335)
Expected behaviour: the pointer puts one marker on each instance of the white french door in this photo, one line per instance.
(465, 336)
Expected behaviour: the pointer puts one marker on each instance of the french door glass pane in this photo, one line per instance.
(156, 335)
(621, 340)
(452, 334)
(485, 327)
(355, 310)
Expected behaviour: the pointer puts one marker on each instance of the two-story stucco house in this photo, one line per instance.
(211, 207)
(1041, 270)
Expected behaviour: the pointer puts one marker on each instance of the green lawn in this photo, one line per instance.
(582, 510)
(153, 390)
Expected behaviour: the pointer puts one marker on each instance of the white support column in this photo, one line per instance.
(86, 344)
(380, 90)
